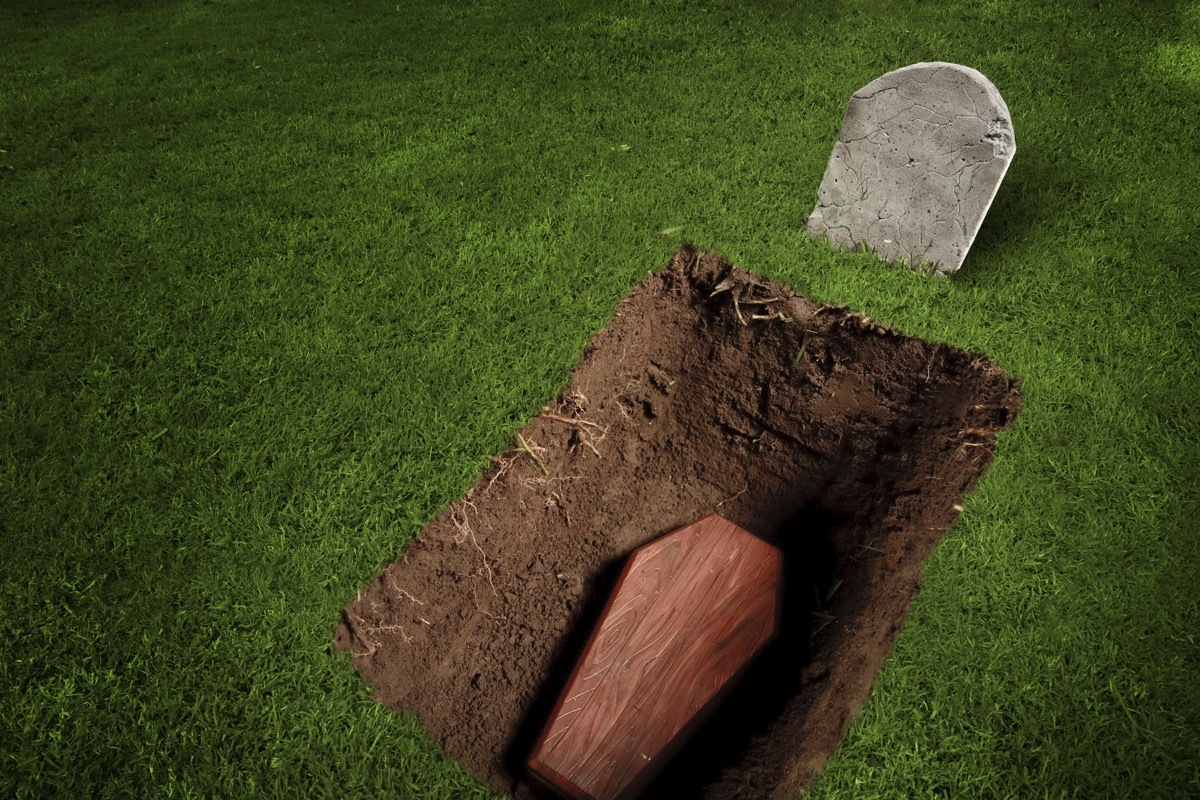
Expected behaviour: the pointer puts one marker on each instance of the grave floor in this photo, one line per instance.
(846, 443)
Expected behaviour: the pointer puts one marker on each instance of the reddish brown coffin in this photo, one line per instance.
(688, 614)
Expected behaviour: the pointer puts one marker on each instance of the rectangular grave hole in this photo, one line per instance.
(844, 442)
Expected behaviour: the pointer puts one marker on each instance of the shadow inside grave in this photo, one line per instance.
(774, 678)
(758, 698)
(569, 651)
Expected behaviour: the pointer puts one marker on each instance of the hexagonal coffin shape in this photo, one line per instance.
(689, 612)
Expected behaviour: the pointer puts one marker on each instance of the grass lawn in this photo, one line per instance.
(276, 279)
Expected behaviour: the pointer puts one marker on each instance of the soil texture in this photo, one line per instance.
(846, 443)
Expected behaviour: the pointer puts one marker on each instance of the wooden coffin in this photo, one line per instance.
(687, 615)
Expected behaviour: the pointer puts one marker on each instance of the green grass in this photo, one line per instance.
(278, 278)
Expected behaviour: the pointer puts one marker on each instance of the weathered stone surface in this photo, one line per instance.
(920, 156)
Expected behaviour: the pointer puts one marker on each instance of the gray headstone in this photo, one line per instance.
(920, 156)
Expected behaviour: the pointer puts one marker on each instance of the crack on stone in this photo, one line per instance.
(971, 97)
(845, 229)
(872, 95)
(934, 113)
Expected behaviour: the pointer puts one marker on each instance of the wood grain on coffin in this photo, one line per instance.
(689, 612)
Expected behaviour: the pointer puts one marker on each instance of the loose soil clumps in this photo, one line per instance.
(844, 442)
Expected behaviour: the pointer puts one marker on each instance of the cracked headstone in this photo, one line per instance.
(920, 156)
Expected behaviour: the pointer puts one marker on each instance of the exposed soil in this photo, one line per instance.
(844, 442)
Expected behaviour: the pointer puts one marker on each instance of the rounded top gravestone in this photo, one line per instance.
(920, 156)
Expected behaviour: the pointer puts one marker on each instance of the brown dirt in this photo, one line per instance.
(844, 442)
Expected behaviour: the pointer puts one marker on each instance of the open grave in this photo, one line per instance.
(845, 443)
